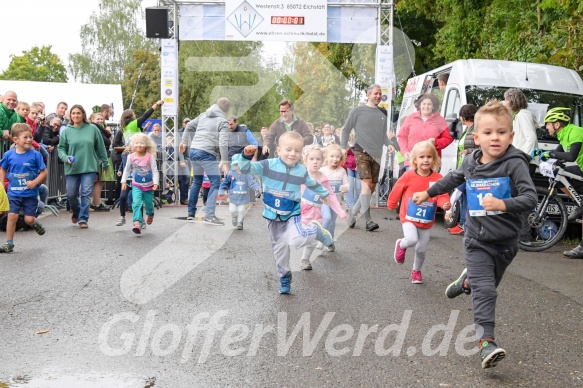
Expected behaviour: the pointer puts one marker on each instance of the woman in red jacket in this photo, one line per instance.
(425, 124)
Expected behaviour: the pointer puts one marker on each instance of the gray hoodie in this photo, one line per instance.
(502, 228)
(211, 133)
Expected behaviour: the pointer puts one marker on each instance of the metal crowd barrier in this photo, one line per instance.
(56, 176)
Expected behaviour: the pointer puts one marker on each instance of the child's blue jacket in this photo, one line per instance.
(281, 185)
(238, 185)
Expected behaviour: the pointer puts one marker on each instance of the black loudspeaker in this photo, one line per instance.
(157, 22)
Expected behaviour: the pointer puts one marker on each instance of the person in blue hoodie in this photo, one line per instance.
(238, 185)
(282, 178)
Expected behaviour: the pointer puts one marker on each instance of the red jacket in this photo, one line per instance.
(408, 184)
(414, 129)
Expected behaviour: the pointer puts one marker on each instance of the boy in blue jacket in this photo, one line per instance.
(282, 179)
(238, 185)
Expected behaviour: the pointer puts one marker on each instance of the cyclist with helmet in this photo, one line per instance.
(570, 136)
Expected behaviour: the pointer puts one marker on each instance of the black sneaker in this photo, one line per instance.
(457, 288)
(6, 248)
(212, 221)
(490, 354)
(101, 208)
(575, 253)
(351, 219)
(371, 225)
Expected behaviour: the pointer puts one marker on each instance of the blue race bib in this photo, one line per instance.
(144, 178)
(336, 186)
(423, 213)
(240, 188)
(18, 181)
(311, 198)
(478, 189)
(278, 201)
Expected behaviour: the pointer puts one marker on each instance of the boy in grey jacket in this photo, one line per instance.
(500, 195)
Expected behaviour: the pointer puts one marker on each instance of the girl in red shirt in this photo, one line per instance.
(417, 219)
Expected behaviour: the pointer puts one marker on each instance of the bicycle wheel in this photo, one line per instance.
(546, 225)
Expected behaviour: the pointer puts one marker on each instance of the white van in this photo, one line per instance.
(475, 81)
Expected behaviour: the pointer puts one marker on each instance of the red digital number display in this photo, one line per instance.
(295, 20)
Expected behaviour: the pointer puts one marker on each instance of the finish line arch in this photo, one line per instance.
(347, 21)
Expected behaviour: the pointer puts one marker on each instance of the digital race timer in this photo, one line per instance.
(297, 20)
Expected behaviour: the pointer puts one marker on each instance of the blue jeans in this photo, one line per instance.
(353, 188)
(43, 193)
(203, 162)
(80, 184)
(329, 219)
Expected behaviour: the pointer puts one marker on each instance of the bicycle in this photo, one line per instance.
(548, 222)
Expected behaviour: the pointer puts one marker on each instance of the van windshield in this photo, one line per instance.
(538, 103)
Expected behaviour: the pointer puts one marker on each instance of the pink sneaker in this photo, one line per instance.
(416, 277)
(399, 253)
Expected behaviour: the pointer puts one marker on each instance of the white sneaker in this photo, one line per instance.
(305, 263)
(319, 245)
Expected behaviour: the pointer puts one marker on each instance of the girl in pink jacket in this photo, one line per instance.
(311, 202)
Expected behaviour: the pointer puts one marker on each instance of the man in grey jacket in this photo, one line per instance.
(210, 144)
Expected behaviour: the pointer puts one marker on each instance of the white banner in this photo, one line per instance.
(384, 69)
(284, 20)
(169, 78)
(345, 24)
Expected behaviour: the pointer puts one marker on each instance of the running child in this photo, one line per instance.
(353, 179)
(282, 180)
(417, 220)
(500, 196)
(311, 202)
(338, 181)
(238, 185)
(25, 169)
(142, 169)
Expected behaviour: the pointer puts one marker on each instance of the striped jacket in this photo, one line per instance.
(281, 185)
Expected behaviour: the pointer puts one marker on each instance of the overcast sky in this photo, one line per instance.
(28, 23)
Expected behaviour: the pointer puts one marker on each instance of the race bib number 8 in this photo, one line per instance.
(478, 189)
(279, 202)
(423, 213)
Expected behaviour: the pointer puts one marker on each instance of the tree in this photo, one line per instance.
(212, 69)
(37, 64)
(142, 76)
(321, 90)
(108, 41)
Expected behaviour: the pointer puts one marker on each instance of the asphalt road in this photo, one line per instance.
(189, 304)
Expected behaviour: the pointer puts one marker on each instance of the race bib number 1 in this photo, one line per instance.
(423, 213)
(478, 189)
